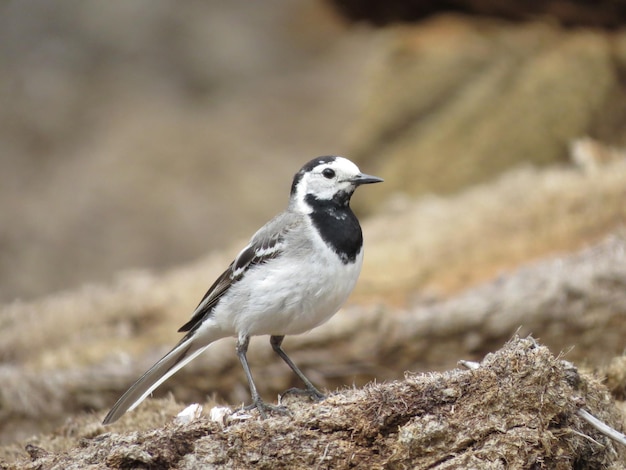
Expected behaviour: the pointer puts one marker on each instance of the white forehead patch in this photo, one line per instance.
(342, 166)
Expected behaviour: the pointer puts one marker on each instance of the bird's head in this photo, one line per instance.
(327, 179)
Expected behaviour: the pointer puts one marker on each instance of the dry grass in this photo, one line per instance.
(517, 410)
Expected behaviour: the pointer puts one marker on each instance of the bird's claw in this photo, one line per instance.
(265, 408)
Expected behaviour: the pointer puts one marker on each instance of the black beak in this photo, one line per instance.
(366, 179)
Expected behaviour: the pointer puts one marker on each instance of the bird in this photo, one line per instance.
(293, 275)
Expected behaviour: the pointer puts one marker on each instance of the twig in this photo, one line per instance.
(323, 456)
(602, 427)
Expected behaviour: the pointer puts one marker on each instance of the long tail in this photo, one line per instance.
(183, 353)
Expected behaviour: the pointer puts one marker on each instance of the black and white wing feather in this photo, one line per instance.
(266, 244)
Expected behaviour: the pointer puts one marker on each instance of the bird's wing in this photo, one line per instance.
(265, 245)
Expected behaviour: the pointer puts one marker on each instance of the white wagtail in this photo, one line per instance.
(295, 273)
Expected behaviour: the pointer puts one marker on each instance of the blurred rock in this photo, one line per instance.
(455, 101)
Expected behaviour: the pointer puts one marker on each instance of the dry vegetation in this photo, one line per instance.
(517, 410)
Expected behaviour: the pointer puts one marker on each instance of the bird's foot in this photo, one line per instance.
(265, 408)
(313, 393)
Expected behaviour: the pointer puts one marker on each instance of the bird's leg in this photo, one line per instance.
(257, 402)
(276, 342)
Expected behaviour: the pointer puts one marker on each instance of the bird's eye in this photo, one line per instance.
(328, 173)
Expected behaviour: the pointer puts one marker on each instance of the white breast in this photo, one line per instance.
(291, 294)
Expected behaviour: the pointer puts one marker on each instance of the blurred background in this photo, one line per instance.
(144, 134)
(141, 143)
(147, 133)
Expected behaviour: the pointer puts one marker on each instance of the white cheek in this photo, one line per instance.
(325, 192)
